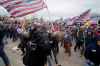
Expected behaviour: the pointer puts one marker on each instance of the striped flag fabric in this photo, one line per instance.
(85, 15)
(20, 8)
(55, 27)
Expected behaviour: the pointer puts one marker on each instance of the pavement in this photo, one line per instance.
(63, 59)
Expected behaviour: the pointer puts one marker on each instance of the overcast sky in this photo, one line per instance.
(72, 7)
(64, 8)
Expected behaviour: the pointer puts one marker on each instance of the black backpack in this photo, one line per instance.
(38, 47)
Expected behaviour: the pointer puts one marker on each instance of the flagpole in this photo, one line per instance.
(49, 16)
(48, 11)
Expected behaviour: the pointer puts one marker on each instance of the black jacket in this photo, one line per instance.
(92, 53)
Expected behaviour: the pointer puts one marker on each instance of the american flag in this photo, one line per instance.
(55, 27)
(83, 17)
(20, 8)
(86, 15)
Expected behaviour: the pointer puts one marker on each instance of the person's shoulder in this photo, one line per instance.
(91, 46)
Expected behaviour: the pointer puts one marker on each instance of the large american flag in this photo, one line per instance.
(20, 8)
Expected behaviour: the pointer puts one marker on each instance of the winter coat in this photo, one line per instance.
(92, 53)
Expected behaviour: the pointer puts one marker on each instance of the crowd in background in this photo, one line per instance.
(38, 40)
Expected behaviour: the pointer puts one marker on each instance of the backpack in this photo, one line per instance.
(38, 47)
(40, 40)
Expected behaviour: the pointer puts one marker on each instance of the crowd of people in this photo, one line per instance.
(39, 43)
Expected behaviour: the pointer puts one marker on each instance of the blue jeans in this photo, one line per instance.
(49, 61)
(4, 57)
